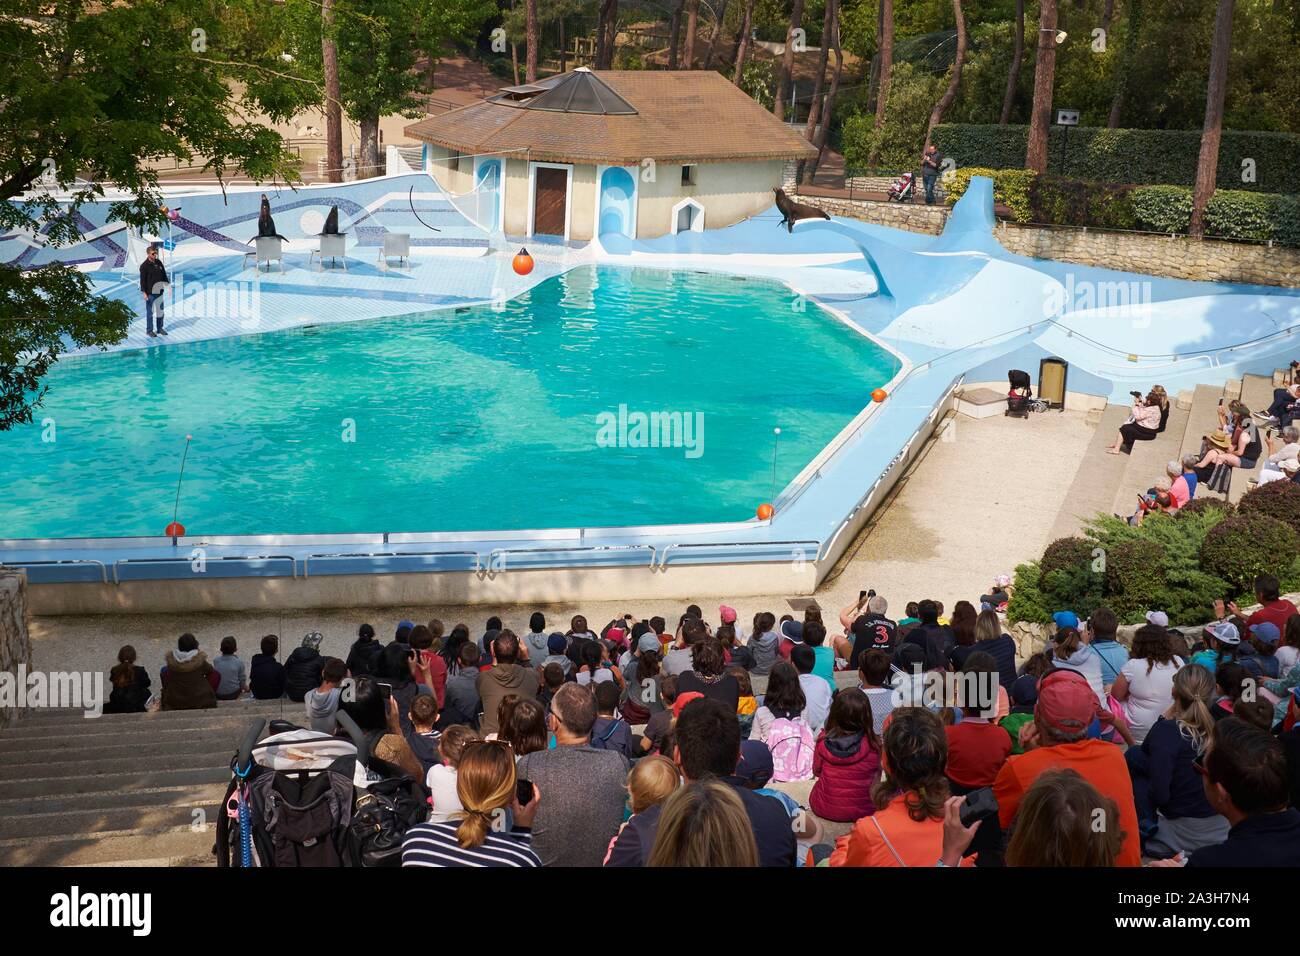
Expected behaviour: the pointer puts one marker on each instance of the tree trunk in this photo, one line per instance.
(607, 35)
(333, 109)
(692, 26)
(1207, 166)
(828, 110)
(1107, 16)
(873, 82)
(564, 53)
(674, 34)
(369, 160)
(742, 41)
(717, 32)
(514, 61)
(819, 84)
(950, 94)
(1127, 60)
(1013, 74)
(1040, 117)
(886, 68)
(531, 41)
(787, 62)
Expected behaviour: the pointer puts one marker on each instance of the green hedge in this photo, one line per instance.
(1134, 156)
(1239, 548)
(1010, 187)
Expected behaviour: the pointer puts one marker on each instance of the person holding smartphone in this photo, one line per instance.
(497, 826)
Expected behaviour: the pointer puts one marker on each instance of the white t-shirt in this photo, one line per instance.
(1149, 695)
(817, 697)
(1286, 658)
(441, 782)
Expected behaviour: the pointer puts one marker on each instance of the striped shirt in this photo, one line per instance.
(435, 844)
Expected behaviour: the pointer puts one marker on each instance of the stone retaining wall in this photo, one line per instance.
(15, 643)
(900, 215)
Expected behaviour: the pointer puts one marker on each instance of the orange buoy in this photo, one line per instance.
(879, 395)
(175, 530)
(523, 262)
(764, 511)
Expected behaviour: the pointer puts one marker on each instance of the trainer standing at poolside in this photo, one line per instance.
(153, 283)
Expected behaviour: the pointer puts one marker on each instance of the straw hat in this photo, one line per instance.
(1219, 438)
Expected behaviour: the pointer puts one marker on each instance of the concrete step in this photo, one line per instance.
(118, 781)
(1202, 418)
(139, 813)
(25, 738)
(1147, 462)
(136, 753)
(1097, 478)
(234, 708)
(210, 755)
(177, 846)
(1257, 391)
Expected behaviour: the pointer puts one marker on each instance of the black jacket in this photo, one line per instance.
(266, 677)
(773, 831)
(151, 273)
(302, 672)
(364, 657)
(132, 698)
(1266, 839)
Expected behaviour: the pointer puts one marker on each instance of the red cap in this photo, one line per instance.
(728, 614)
(1066, 702)
(684, 699)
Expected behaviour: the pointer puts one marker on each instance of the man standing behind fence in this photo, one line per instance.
(930, 171)
(153, 283)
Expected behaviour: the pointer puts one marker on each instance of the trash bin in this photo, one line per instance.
(1052, 374)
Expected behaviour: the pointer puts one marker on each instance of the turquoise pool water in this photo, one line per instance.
(480, 419)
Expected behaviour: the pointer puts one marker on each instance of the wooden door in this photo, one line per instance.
(550, 197)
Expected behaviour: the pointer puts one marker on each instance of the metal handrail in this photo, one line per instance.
(478, 560)
(590, 547)
(103, 570)
(293, 562)
(663, 560)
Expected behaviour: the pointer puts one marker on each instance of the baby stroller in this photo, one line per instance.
(903, 188)
(1020, 396)
(301, 798)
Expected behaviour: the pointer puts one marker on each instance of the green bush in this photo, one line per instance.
(1074, 202)
(1135, 579)
(1237, 214)
(1277, 499)
(1011, 187)
(1162, 208)
(898, 143)
(1027, 601)
(1067, 554)
(1245, 545)
(1137, 156)
(1206, 503)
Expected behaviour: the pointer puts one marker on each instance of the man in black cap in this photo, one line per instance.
(153, 283)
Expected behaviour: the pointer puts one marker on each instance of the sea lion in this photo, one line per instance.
(331, 222)
(265, 224)
(792, 212)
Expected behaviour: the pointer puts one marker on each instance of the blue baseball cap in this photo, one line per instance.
(1066, 619)
(1266, 631)
(755, 765)
(556, 643)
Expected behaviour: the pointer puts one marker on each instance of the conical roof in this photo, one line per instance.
(579, 92)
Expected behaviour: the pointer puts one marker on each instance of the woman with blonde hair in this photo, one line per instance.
(1173, 812)
(488, 789)
(704, 824)
(651, 781)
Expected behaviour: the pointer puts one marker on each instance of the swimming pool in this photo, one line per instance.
(523, 414)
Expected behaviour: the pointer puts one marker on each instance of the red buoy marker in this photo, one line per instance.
(523, 262)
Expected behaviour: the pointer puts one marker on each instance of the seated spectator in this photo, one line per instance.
(747, 703)
(523, 725)
(814, 637)
(1229, 683)
(364, 653)
(963, 633)
(556, 645)
(422, 738)
(1058, 738)
(1144, 688)
(1024, 696)
(536, 643)
(1222, 646)
(1144, 424)
(847, 762)
(427, 668)
(596, 666)
(1172, 809)
(1102, 627)
(977, 746)
(931, 636)
(817, 693)
(659, 724)
(764, 644)
(1288, 651)
(485, 787)
(1069, 651)
(323, 701)
(791, 636)
(875, 674)
(704, 824)
(1245, 776)
(735, 652)
(1273, 607)
(450, 652)
(1285, 407)
(1057, 826)
(440, 781)
(708, 747)
(507, 676)
(585, 785)
(1264, 638)
(864, 631)
(462, 701)
(611, 732)
(999, 595)
(907, 827)
(130, 685)
(783, 699)
(649, 783)
(234, 677)
(708, 675)
(1183, 474)
(992, 640)
(640, 696)
(1219, 449)
(303, 668)
(265, 673)
(1257, 713)
(186, 684)
(394, 670)
(1286, 450)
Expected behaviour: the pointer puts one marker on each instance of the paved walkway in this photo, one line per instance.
(979, 503)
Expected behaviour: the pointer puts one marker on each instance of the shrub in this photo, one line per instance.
(1027, 601)
(1206, 503)
(1237, 214)
(1135, 579)
(1277, 499)
(1010, 187)
(898, 142)
(1067, 554)
(1074, 202)
(1162, 208)
(1138, 156)
(1245, 545)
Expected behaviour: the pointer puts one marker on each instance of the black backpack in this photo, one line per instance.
(384, 812)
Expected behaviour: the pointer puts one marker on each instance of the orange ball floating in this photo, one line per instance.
(523, 262)
(764, 511)
(879, 395)
(175, 530)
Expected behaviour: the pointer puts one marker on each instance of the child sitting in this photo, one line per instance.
(754, 771)
(234, 678)
(1024, 695)
(649, 783)
(652, 741)
(610, 732)
(748, 703)
(847, 761)
(441, 779)
(323, 702)
(422, 738)
(552, 680)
